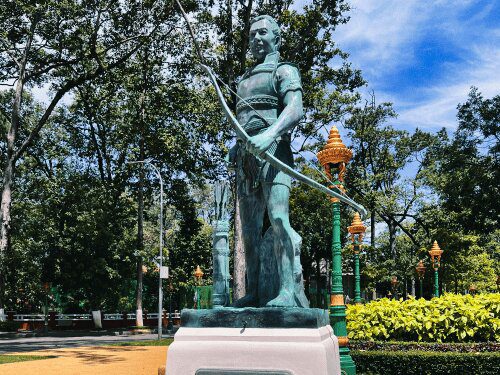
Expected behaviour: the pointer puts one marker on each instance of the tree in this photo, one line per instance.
(464, 171)
(62, 45)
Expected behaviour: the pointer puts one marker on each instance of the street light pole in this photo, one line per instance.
(334, 157)
(435, 253)
(357, 230)
(198, 274)
(421, 272)
(46, 287)
(160, 290)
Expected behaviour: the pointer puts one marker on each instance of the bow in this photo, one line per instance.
(271, 159)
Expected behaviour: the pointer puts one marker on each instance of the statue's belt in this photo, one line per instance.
(260, 100)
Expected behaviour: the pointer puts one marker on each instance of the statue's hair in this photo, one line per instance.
(274, 25)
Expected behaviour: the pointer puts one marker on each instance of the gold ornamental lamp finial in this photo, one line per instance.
(394, 281)
(198, 273)
(357, 230)
(420, 268)
(472, 289)
(334, 153)
(435, 253)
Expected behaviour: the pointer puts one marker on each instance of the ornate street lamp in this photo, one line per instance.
(394, 283)
(333, 157)
(198, 274)
(170, 325)
(46, 287)
(357, 230)
(472, 289)
(435, 253)
(420, 268)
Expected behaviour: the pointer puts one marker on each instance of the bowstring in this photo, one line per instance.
(202, 60)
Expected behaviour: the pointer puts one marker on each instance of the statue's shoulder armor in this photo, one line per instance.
(286, 78)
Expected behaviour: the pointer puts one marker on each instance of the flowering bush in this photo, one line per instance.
(449, 318)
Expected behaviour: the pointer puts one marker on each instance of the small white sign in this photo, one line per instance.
(164, 272)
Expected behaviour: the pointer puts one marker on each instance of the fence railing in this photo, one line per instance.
(85, 321)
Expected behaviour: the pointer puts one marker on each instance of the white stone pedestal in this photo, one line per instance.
(269, 351)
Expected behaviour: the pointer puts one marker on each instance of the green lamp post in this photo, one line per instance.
(420, 268)
(394, 283)
(472, 289)
(46, 288)
(198, 274)
(333, 157)
(357, 230)
(435, 253)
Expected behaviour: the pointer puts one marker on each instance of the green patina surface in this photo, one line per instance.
(337, 312)
(269, 107)
(250, 317)
(220, 251)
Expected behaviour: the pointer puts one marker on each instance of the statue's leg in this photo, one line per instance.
(277, 196)
(251, 218)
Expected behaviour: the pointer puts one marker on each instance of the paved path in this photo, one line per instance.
(106, 360)
(28, 344)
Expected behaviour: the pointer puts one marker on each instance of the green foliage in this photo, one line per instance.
(10, 358)
(464, 170)
(420, 363)
(9, 326)
(469, 347)
(451, 318)
(162, 342)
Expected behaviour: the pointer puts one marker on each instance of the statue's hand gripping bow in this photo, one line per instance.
(271, 159)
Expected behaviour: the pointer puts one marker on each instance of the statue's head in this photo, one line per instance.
(265, 36)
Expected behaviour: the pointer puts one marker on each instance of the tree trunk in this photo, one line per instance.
(392, 239)
(8, 176)
(318, 283)
(239, 256)
(372, 229)
(5, 239)
(246, 31)
(413, 286)
(140, 246)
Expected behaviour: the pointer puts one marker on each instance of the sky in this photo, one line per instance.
(423, 56)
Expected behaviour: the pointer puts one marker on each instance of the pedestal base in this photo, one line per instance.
(254, 351)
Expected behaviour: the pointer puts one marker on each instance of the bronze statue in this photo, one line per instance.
(269, 107)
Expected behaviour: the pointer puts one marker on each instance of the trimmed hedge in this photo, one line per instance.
(9, 326)
(426, 346)
(420, 363)
(451, 317)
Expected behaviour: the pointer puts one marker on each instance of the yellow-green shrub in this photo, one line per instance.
(451, 317)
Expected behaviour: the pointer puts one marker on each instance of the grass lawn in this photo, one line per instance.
(162, 342)
(9, 358)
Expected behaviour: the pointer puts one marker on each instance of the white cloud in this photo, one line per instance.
(382, 33)
(439, 108)
(384, 37)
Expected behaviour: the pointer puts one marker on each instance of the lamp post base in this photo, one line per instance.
(347, 365)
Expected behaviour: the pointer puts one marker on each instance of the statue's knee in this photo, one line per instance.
(281, 226)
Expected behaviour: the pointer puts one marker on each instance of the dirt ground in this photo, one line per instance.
(96, 360)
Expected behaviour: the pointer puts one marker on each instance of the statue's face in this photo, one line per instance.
(262, 39)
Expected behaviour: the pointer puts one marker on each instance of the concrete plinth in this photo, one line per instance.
(254, 351)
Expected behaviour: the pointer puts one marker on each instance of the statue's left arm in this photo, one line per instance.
(290, 90)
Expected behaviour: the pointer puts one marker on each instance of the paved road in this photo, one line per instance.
(9, 345)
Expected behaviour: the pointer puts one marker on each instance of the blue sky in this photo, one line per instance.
(424, 55)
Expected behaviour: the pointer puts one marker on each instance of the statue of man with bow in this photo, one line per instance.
(269, 107)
